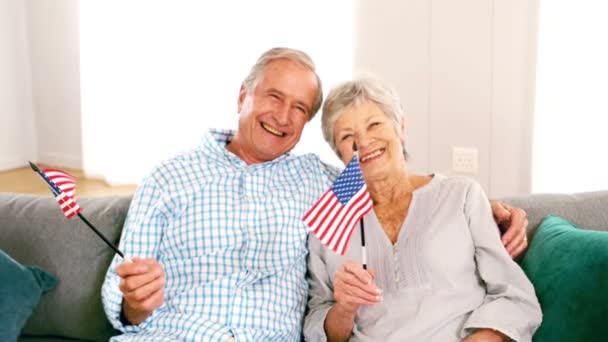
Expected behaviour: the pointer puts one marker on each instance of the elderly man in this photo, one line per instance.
(217, 234)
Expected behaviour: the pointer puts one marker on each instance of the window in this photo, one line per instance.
(571, 116)
(156, 75)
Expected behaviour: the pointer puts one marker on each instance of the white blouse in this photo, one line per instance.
(447, 274)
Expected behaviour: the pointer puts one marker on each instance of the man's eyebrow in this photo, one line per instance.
(275, 91)
(298, 102)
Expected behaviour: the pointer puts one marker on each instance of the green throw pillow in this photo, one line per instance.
(20, 291)
(569, 269)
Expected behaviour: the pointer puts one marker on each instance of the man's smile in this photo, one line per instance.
(272, 130)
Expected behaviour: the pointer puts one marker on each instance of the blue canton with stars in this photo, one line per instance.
(54, 188)
(349, 182)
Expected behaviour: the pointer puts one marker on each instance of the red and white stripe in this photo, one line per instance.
(68, 205)
(65, 181)
(333, 223)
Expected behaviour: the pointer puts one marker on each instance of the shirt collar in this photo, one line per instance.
(214, 144)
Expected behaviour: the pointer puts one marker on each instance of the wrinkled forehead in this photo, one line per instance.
(290, 73)
(359, 111)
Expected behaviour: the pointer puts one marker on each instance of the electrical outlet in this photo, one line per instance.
(465, 160)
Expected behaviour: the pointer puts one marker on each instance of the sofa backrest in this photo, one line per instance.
(34, 231)
(587, 210)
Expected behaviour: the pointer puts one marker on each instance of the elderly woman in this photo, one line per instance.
(438, 270)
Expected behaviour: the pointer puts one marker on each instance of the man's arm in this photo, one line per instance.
(141, 235)
(515, 221)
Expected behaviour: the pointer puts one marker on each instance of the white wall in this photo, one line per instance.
(54, 54)
(464, 70)
(150, 90)
(17, 137)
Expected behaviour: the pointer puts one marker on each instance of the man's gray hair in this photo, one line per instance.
(284, 53)
(352, 94)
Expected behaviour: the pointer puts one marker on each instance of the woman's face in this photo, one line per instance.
(380, 148)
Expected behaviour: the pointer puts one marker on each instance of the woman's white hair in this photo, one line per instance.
(352, 94)
(284, 53)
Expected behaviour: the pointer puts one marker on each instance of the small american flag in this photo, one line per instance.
(333, 216)
(63, 186)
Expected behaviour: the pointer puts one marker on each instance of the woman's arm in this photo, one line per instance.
(486, 335)
(510, 305)
(333, 304)
(353, 287)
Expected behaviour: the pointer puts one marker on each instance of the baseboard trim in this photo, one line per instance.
(12, 163)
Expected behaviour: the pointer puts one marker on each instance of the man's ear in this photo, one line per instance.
(403, 134)
(242, 95)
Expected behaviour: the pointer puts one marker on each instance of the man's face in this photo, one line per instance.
(273, 114)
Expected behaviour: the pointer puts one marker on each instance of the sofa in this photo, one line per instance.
(34, 232)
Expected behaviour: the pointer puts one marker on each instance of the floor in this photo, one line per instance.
(25, 180)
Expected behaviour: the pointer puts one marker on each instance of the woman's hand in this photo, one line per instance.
(486, 335)
(354, 286)
(515, 222)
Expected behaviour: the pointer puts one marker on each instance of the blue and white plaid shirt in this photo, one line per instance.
(231, 241)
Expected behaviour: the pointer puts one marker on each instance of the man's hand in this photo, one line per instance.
(515, 222)
(486, 335)
(141, 284)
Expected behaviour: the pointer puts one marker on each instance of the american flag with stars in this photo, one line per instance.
(63, 186)
(333, 216)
